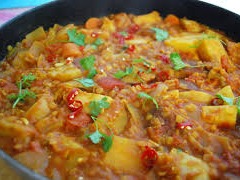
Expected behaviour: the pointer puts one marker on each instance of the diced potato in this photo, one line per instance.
(66, 146)
(36, 49)
(222, 116)
(197, 96)
(49, 123)
(86, 98)
(185, 42)
(62, 33)
(71, 50)
(36, 35)
(11, 128)
(190, 166)
(108, 25)
(115, 117)
(93, 23)
(41, 108)
(191, 26)
(226, 91)
(65, 73)
(211, 50)
(24, 60)
(124, 156)
(147, 19)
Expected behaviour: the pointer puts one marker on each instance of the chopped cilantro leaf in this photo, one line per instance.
(92, 73)
(141, 60)
(146, 96)
(160, 34)
(228, 100)
(120, 74)
(86, 82)
(23, 93)
(177, 61)
(97, 106)
(97, 43)
(95, 137)
(77, 38)
(87, 62)
(107, 142)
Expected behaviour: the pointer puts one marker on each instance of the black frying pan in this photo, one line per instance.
(77, 11)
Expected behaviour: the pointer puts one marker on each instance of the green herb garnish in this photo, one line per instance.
(148, 97)
(160, 34)
(75, 37)
(177, 61)
(228, 100)
(97, 106)
(238, 104)
(87, 63)
(86, 82)
(120, 74)
(97, 43)
(23, 93)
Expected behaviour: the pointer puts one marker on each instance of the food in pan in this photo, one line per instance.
(123, 97)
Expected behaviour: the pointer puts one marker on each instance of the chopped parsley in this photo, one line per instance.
(75, 37)
(23, 93)
(148, 97)
(160, 34)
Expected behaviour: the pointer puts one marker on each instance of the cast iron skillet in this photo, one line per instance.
(78, 11)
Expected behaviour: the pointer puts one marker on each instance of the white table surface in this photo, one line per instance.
(232, 5)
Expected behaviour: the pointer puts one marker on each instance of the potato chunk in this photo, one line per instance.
(211, 50)
(147, 19)
(226, 91)
(65, 73)
(191, 26)
(185, 42)
(223, 116)
(36, 35)
(197, 96)
(41, 108)
(86, 98)
(190, 166)
(124, 156)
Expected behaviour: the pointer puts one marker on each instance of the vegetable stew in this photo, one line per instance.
(123, 97)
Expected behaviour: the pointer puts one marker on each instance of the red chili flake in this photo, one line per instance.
(81, 48)
(129, 37)
(75, 105)
(74, 92)
(184, 125)
(153, 68)
(149, 157)
(216, 102)
(164, 58)
(131, 48)
(149, 86)
(133, 28)
(163, 76)
(94, 34)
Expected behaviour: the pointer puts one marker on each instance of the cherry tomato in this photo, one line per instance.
(78, 119)
(131, 48)
(110, 83)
